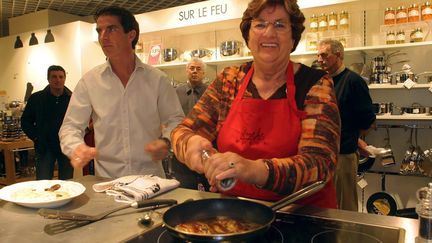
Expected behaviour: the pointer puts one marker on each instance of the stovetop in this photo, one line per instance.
(290, 228)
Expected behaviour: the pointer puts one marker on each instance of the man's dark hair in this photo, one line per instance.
(126, 18)
(55, 68)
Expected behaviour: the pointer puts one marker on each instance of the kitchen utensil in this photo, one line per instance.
(415, 108)
(229, 48)
(223, 185)
(249, 211)
(200, 53)
(169, 54)
(58, 214)
(387, 157)
(407, 164)
(383, 203)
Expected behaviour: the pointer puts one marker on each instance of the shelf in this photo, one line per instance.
(398, 86)
(405, 117)
(307, 53)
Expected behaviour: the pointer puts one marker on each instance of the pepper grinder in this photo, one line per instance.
(225, 184)
(424, 210)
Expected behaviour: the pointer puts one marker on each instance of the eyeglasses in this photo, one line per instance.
(281, 26)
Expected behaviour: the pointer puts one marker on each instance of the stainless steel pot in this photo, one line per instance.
(229, 48)
(200, 53)
(383, 108)
(169, 54)
(414, 109)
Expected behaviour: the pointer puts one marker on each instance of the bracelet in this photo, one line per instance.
(268, 163)
(167, 142)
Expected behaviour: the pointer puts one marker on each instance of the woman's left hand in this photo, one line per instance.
(222, 166)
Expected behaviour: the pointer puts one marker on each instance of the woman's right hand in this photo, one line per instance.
(82, 155)
(195, 145)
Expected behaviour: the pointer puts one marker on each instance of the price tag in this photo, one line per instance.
(409, 83)
(362, 183)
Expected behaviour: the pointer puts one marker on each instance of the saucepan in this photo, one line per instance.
(169, 54)
(229, 48)
(237, 209)
(200, 53)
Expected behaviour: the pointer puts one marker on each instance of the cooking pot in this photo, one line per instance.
(365, 163)
(238, 209)
(414, 109)
(201, 53)
(383, 108)
(169, 54)
(229, 48)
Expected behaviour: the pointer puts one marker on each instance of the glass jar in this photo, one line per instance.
(390, 38)
(343, 20)
(401, 15)
(332, 21)
(389, 16)
(313, 23)
(400, 37)
(416, 35)
(426, 11)
(322, 22)
(413, 13)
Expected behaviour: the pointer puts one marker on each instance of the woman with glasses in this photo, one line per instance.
(271, 125)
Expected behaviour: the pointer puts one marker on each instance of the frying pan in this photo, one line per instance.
(248, 211)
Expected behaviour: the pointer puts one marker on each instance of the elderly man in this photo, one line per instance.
(190, 92)
(357, 116)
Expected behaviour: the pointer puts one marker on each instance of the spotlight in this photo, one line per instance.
(18, 43)
(33, 40)
(49, 37)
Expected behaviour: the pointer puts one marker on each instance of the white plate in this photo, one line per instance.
(73, 189)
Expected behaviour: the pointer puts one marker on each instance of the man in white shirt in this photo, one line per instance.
(128, 102)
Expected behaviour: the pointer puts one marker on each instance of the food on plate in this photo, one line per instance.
(39, 195)
(217, 225)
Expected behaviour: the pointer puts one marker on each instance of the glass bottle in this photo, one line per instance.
(417, 35)
(400, 37)
(390, 38)
(401, 15)
(322, 22)
(426, 11)
(343, 20)
(413, 13)
(389, 16)
(332, 21)
(313, 23)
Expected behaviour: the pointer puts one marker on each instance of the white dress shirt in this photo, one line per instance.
(125, 119)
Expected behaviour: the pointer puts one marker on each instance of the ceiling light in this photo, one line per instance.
(18, 43)
(49, 37)
(33, 40)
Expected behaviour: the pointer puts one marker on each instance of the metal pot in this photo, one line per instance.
(169, 54)
(200, 53)
(249, 211)
(414, 109)
(229, 48)
(383, 108)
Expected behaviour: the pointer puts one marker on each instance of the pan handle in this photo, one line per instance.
(304, 192)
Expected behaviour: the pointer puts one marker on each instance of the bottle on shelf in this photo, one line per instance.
(401, 15)
(343, 20)
(426, 11)
(416, 35)
(390, 37)
(313, 23)
(413, 13)
(400, 37)
(389, 16)
(332, 21)
(323, 22)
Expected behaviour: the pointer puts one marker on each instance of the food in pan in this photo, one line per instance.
(33, 194)
(218, 225)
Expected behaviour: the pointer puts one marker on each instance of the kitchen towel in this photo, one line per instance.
(133, 188)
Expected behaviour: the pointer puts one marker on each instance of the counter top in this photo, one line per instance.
(21, 224)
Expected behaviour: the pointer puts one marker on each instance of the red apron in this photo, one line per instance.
(266, 129)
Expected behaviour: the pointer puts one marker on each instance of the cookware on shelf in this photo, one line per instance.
(169, 54)
(230, 48)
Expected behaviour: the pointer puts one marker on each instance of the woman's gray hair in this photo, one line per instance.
(335, 46)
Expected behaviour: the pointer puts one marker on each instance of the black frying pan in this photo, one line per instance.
(248, 211)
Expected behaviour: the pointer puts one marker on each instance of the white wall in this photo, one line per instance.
(73, 48)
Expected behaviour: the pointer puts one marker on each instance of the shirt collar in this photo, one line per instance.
(340, 69)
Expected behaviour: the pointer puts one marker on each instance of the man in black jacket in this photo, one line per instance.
(41, 121)
(357, 116)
